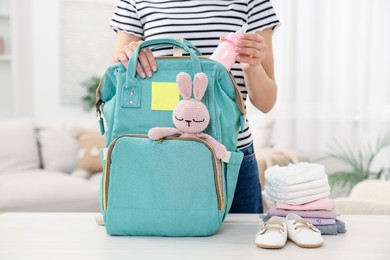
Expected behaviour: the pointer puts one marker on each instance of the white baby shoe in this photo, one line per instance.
(303, 233)
(273, 233)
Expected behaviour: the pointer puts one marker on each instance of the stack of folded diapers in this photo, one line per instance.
(303, 189)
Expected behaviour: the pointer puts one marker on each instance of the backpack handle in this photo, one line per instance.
(186, 42)
(133, 85)
(196, 68)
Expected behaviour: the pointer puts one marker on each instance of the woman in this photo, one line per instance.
(204, 23)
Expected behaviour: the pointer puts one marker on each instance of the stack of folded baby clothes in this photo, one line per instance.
(303, 189)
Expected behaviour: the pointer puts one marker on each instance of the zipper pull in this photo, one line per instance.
(99, 114)
(101, 126)
(242, 122)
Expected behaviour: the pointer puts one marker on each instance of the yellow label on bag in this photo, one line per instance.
(165, 96)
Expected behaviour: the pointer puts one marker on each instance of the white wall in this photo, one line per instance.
(22, 67)
(46, 48)
(6, 62)
(332, 64)
(46, 58)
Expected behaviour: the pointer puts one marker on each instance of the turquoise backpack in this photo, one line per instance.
(175, 186)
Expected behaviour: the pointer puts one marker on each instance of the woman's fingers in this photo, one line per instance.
(125, 55)
(151, 59)
(122, 57)
(140, 71)
(252, 37)
(147, 63)
(248, 59)
(249, 44)
(251, 49)
(129, 51)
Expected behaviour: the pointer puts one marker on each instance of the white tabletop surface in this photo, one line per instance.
(76, 236)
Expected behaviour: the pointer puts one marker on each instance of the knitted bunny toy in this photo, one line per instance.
(190, 116)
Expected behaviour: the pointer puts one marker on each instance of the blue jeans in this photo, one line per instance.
(247, 197)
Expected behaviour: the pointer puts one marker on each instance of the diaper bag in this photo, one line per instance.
(175, 186)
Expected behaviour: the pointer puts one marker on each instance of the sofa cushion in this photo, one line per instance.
(367, 197)
(375, 190)
(90, 145)
(59, 142)
(362, 206)
(19, 145)
(58, 148)
(49, 191)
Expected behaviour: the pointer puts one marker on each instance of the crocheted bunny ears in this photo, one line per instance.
(184, 83)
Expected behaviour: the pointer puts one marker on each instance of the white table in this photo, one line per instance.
(76, 236)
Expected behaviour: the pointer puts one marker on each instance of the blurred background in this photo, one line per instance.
(332, 64)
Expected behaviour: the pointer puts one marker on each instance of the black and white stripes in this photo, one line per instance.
(201, 22)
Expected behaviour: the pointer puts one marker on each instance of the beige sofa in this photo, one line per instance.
(367, 197)
(36, 165)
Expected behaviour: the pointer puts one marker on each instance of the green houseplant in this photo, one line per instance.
(359, 162)
(89, 98)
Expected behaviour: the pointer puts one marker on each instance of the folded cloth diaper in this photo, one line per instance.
(321, 182)
(273, 211)
(324, 203)
(285, 196)
(294, 173)
(297, 201)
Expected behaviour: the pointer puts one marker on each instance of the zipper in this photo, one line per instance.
(217, 166)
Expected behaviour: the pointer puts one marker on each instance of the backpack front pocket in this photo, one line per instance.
(172, 187)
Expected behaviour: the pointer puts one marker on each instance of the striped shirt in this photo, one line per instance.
(201, 22)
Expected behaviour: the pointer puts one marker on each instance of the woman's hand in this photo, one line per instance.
(256, 58)
(251, 49)
(146, 61)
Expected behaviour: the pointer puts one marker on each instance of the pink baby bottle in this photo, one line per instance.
(226, 51)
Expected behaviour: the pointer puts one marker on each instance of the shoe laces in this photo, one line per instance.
(278, 225)
(301, 223)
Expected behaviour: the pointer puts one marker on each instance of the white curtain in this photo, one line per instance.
(332, 65)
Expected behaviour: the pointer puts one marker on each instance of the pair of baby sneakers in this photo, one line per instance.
(275, 231)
